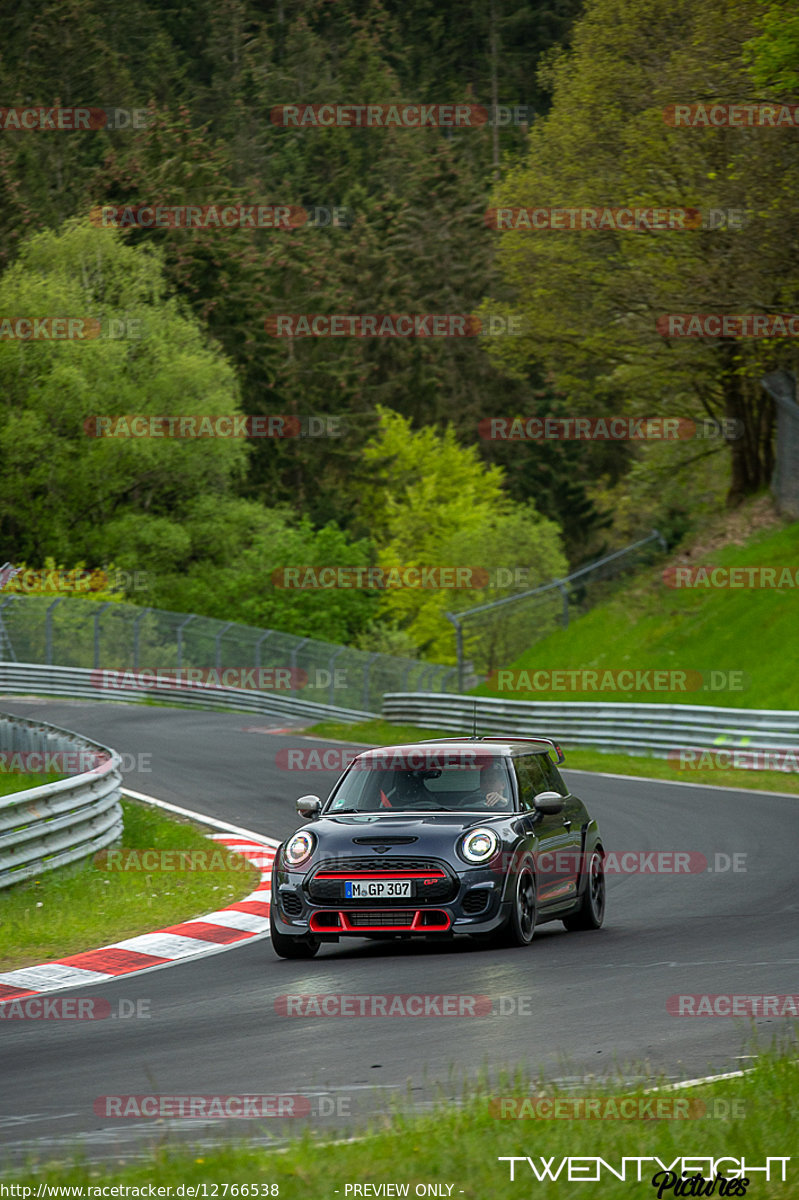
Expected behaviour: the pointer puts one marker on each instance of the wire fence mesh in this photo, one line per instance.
(492, 635)
(123, 638)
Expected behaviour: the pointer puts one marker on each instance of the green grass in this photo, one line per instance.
(650, 625)
(13, 781)
(81, 906)
(460, 1145)
(383, 733)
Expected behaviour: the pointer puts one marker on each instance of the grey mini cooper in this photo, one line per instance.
(462, 835)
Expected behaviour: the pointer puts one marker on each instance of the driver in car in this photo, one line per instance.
(495, 787)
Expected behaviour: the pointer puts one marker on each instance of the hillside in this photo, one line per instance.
(650, 626)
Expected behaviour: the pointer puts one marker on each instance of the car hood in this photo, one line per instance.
(346, 834)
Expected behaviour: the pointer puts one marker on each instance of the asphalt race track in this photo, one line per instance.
(591, 1003)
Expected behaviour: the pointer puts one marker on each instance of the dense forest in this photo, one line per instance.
(388, 462)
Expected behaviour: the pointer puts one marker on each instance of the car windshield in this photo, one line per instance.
(424, 781)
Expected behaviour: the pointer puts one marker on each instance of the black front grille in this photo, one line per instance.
(327, 890)
(323, 891)
(400, 916)
(291, 904)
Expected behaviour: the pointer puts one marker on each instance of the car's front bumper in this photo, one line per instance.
(477, 906)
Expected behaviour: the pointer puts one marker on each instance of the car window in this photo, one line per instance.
(532, 778)
(369, 786)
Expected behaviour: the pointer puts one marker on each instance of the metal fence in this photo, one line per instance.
(58, 823)
(633, 728)
(113, 636)
(785, 482)
(495, 634)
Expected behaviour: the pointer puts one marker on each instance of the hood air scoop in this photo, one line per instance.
(383, 841)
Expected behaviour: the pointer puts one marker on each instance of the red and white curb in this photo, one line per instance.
(246, 920)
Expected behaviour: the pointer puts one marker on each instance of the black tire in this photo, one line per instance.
(520, 926)
(286, 946)
(591, 912)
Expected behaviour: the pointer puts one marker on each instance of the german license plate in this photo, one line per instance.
(377, 889)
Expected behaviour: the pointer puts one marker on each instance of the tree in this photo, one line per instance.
(431, 503)
(61, 489)
(591, 299)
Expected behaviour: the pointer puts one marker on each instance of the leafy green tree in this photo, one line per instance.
(430, 502)
(773, 55)
(60, 487)
(592, 299)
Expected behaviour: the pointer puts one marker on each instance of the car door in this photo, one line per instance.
(557, 835)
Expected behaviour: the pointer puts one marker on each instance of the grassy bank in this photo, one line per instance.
(751, 632)
(81, 906)
(13, 781)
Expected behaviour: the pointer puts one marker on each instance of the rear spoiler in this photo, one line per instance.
(510, 738)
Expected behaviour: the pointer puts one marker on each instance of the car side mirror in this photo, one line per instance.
(549, 802)
(309, 806)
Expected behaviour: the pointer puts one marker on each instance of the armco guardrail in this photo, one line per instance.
(59, 823)
(85, 684)
(636, 728)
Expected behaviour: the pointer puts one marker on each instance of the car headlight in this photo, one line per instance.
(479, 845)
(299, 848)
